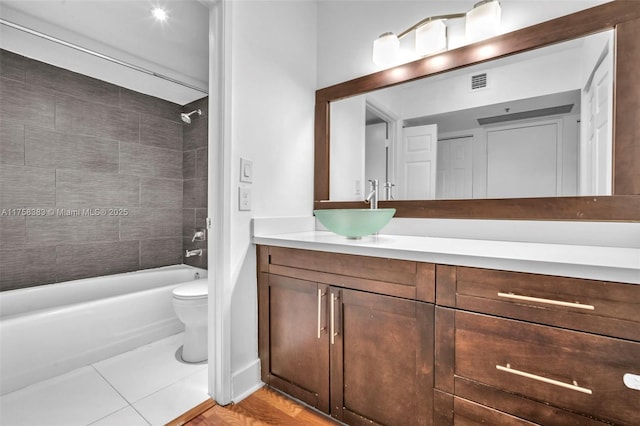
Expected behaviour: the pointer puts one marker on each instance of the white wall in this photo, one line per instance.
(271, 46)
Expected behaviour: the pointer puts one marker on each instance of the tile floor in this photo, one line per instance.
(146, 386)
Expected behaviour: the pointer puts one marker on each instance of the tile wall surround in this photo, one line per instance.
(69, 144)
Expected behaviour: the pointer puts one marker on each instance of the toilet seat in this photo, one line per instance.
(198, 290)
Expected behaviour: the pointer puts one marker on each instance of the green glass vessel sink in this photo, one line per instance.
(354, 223)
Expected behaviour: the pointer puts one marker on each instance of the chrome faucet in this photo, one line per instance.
(196, 252)
(372, 198)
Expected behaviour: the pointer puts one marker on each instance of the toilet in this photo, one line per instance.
(190, 303)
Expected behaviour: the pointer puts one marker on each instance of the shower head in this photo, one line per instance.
(187, 117)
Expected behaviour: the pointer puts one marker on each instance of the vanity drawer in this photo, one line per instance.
(392, 277)
(576, 371)
(607, 308)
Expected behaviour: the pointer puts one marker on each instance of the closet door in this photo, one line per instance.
(523, 161)
(381, 359)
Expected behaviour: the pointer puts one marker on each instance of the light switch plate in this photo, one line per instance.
(244, 199)
(246, 170)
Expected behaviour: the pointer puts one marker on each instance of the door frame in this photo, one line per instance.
(394, 127)
(219, 218)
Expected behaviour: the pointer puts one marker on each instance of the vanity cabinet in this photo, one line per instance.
(392, 342)
(348, 334)
(545, 350)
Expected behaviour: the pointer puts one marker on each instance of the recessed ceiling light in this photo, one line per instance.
(159, 13)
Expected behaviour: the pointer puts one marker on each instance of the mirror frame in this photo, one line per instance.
(623, 16)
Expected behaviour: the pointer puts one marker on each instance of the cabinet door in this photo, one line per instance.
(381, 359)
(294, 348)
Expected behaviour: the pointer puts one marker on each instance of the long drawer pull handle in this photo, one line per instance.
(319, 312)
(333, 321)
(547, 301)
(577, 388)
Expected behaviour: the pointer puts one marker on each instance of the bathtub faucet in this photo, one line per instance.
(196, 252)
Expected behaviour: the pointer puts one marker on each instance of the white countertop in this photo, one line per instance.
(617, 264)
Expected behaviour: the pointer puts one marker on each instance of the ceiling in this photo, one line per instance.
(535, 107)
(121, 29)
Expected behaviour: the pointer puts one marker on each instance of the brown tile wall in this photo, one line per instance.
(69, 142)
(194, 171)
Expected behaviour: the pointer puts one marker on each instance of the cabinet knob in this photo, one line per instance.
(632, 381)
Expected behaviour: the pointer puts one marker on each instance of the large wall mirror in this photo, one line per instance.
(535, 124)
(541, 123)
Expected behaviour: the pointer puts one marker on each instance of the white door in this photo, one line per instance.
(523, 161)
(455, 168)
(597, 149)
(417, 159)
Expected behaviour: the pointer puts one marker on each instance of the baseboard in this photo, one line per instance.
(246, 381)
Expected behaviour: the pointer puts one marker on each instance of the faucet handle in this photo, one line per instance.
(199, 236)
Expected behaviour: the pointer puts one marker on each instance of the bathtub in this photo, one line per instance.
(48, 330)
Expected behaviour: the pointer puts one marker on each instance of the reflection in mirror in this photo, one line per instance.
(536, 124)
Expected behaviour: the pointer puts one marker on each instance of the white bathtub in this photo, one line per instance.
(52, 329)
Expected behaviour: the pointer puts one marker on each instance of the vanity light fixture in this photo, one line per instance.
(482, 21)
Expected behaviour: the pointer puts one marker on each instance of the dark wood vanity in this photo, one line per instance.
(372, 340)
(349, 335)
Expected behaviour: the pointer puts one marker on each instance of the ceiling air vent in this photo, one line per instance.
(479, 81)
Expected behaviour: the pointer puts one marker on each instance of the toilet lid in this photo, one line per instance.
(196, 290)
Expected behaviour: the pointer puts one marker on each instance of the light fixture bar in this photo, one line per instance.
(432, 18)
(100, 55)
(482, 21)
(386, 47)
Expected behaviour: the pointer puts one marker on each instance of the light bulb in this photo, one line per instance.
(385, 50)
(159, 14)
(431, 38)
(483, 21)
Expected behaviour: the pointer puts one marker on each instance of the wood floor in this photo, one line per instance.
(263, 407)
